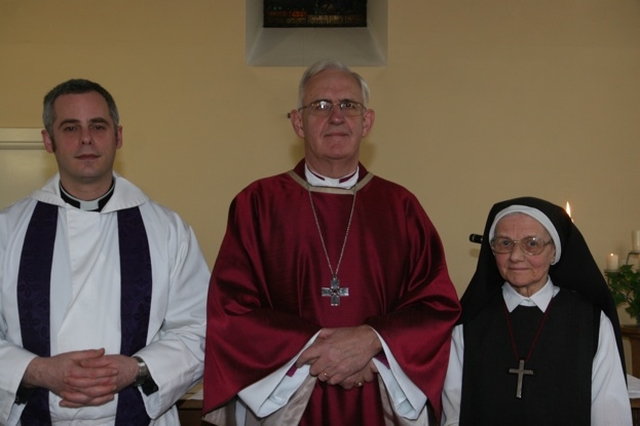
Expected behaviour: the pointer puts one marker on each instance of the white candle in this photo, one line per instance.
(635, 240)
(612, 262)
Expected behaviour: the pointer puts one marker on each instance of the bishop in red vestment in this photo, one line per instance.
(298, 259)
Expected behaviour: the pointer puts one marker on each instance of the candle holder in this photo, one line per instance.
(632, 253)
(629, 255)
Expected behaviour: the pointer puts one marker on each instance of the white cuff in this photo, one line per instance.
(274, 391)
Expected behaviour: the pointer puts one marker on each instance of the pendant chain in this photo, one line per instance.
(346, 234)
(535, 339)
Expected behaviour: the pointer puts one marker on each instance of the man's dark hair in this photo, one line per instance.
(75, 86)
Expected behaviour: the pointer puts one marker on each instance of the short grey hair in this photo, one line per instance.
(331, 64)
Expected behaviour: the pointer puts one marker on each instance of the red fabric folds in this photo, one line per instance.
(265, 298)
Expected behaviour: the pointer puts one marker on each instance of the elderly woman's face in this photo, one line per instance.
(526, 273)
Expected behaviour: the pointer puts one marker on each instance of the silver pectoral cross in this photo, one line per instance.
(335, 291)
(520, 371)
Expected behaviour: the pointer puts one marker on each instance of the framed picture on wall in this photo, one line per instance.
(313, 14)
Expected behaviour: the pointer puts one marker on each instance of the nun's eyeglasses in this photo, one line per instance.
(529, 245)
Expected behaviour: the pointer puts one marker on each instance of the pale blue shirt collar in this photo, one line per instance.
(316, 179)
(540, 299)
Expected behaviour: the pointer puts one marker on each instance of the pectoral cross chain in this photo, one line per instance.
(335, 291)
(521, 372)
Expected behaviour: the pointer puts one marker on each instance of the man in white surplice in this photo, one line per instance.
(96, 258)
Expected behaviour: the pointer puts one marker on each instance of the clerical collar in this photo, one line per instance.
(91, 205)
(540, 299)
(344, 182)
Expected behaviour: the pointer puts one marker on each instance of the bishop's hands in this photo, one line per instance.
(366, 375)
(82, 378)
(343, 356)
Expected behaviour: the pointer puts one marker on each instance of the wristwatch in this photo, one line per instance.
(143, 372)
(144, 379)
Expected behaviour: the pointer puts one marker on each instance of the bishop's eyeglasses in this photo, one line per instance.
(325, 107)
(529, 245)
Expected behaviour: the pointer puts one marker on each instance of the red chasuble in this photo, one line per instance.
(265, 299)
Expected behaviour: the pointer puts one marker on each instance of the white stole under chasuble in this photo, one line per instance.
(34, 295)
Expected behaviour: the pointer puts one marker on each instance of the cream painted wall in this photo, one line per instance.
(480, 101)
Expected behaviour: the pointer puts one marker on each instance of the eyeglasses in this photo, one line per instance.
(529, 245)
(324, 107)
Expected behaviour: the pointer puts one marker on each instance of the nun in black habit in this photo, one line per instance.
(538, 341)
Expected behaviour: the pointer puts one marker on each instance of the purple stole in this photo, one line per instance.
(34, 283)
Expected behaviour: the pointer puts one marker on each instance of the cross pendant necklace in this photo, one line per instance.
(520, 371)
(334, 291)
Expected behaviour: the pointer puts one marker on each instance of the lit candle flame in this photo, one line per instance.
(568, 210)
